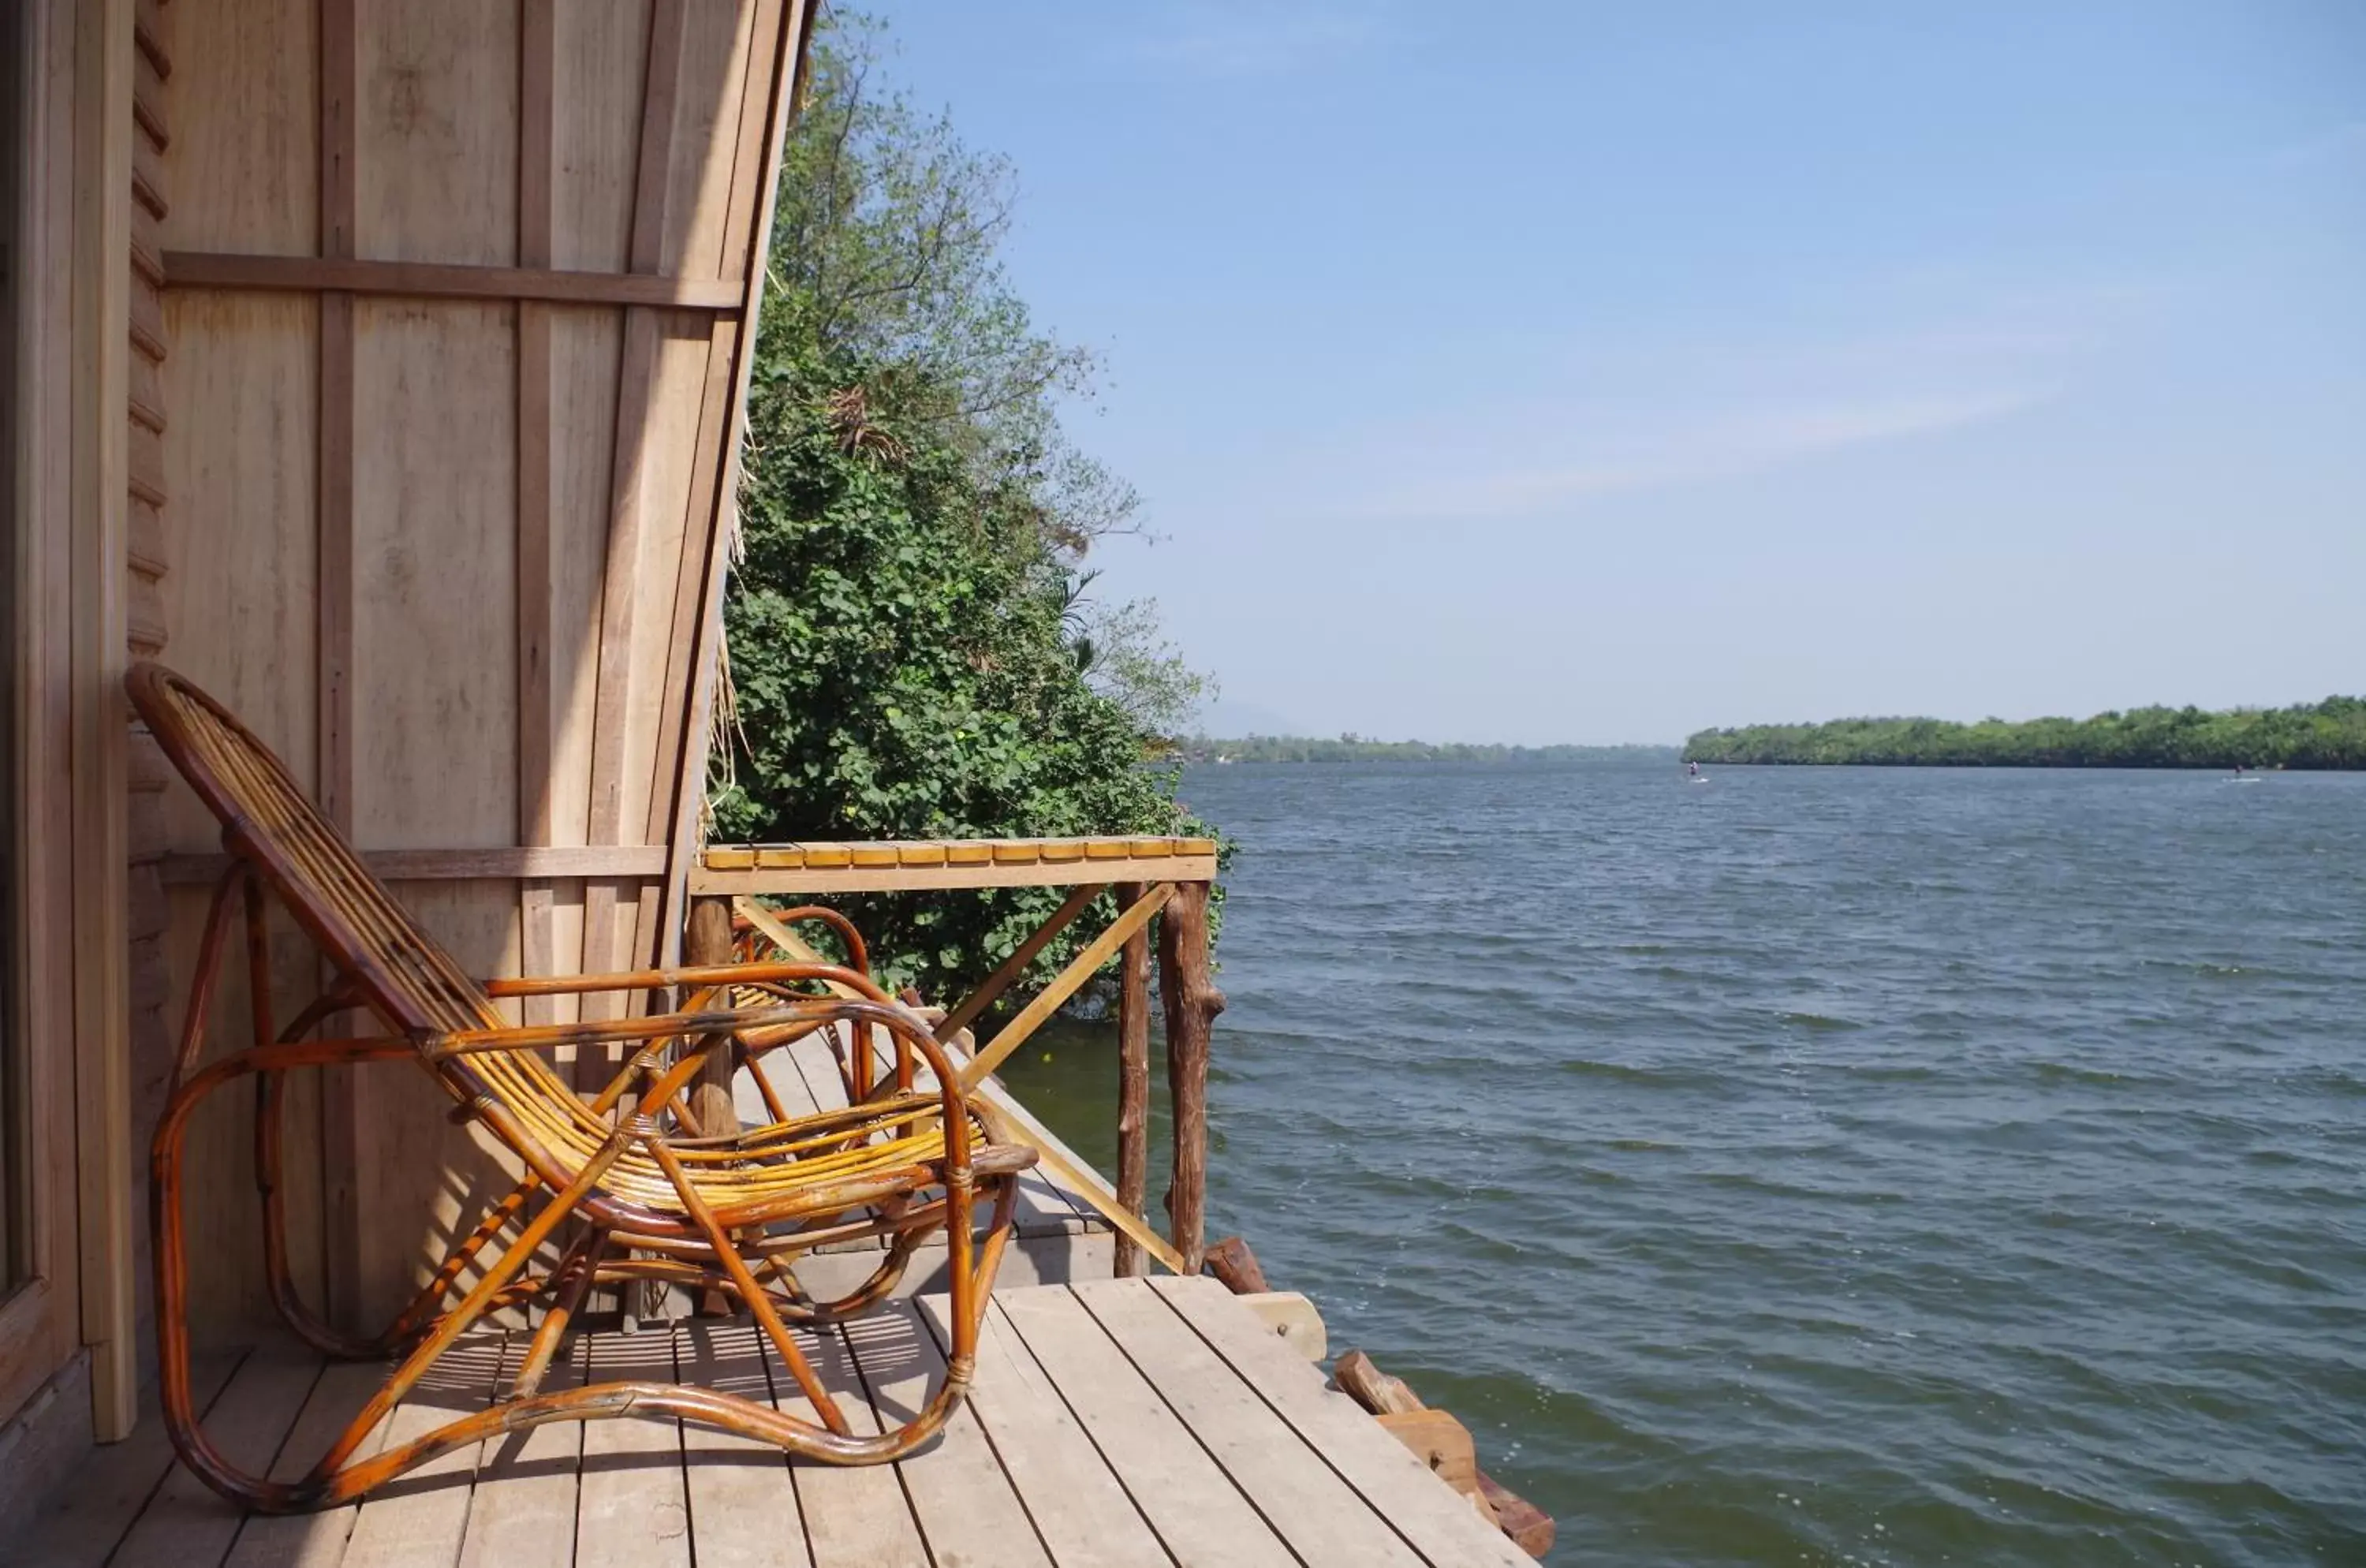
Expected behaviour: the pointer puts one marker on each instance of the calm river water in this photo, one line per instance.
(1818, 1166)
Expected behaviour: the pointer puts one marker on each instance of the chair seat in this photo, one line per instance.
(898, 1141)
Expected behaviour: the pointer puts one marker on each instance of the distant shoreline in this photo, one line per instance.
(2329, 735)
(1295, 748)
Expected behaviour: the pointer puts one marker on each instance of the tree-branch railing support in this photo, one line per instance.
(1162, 918)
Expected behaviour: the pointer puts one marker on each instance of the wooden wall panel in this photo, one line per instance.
(666, 456)
(245, 155)
(239, 532)
(240, 524)
(602, 48)
(715, 50)
(240, 527)
(587, 349)
(422, 1180)
(434, 649)
(226, 1288)
(439, 93)
(380, 630)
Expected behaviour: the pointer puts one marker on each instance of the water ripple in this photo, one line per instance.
(1884, 1166)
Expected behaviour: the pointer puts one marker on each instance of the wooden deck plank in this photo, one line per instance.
(187, 1522)
(1127, 1423)
(417, 1521)
(107, 1493)
(1440, 1524)
(632, 1508)
(313, 1541)
(1308, 1504)
(1198, 1513)
(523, 1515)
(965, 1504)
(788, 1087)
(816, 1062)
(743, 1504)
(1080, 1507)
(855, 1517)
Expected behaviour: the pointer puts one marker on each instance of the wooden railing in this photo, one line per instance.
(1161, 879)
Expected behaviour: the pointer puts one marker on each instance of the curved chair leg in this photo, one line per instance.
(168, 1246)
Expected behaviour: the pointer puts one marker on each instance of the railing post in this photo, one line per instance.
(708, 940)
(1191, 1005)
(1133, 1080)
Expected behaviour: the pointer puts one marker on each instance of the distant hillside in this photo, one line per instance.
(1361, 749)
(2330, 734)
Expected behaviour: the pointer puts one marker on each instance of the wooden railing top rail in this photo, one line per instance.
(888, 866)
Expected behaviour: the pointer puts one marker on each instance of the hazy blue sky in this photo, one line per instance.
(1591, 372)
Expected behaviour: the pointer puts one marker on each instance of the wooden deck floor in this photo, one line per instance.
(1113, 1422)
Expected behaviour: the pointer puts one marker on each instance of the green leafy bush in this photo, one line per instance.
(901, 667)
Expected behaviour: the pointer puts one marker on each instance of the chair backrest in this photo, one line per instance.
(405, 974)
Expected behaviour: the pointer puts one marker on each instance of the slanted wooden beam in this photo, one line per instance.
(1054, 996)
(1015, 966)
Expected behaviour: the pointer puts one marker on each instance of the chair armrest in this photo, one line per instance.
(609, 1032)
(694, 976)
(717, 1027)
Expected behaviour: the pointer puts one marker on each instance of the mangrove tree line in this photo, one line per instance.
(2330, 734)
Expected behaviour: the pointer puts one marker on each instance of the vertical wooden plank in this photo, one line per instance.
(603, 58)
(669, 22)
(747, 240)
(103, 152)
(437, 120)
(538, 126)
(341, 1217)
(718, 147)
(635, 379)
(434, 686)
(247, 130)
(41, 830)
(701, 552)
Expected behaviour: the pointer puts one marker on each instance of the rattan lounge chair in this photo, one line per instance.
(617, 1188)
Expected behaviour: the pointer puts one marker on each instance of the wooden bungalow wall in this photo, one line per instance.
(443, 526)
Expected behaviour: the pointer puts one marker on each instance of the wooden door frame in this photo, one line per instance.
(72, 1000)
(40, 1320)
